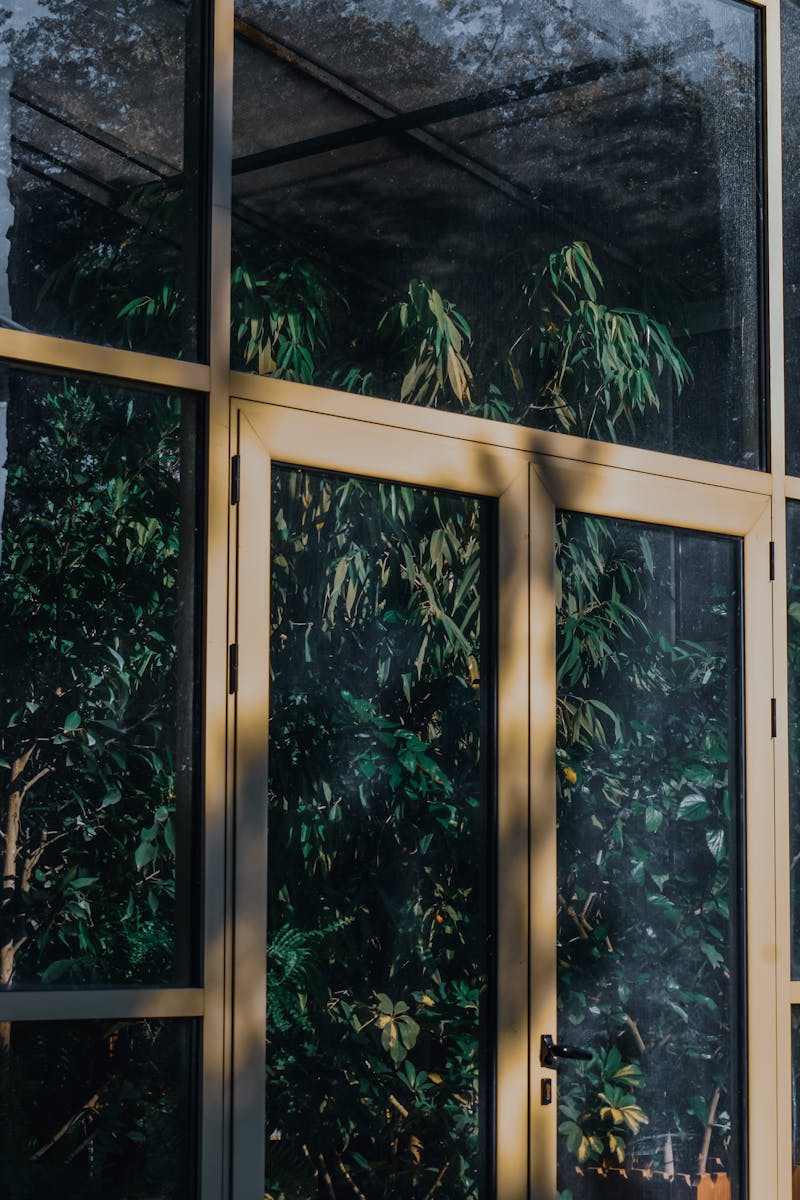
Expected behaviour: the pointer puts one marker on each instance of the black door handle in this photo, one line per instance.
(550, 1051)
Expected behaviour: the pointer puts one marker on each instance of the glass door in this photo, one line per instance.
(495, 682)
(654, 1012)
(372, 839)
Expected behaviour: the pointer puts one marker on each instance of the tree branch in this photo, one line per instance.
(91, 1106)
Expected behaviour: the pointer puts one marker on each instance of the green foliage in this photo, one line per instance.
(645, 820)
(582, 361)
(793, 608)
(143, 245)
(87, 685)
(571, 360)
(428, 329)
(560, 354)
(377, 967)
(281, 318)
(597, 1132)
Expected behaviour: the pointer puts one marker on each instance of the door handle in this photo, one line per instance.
(550, 1051)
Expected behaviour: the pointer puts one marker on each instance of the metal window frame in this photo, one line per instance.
(529, 472)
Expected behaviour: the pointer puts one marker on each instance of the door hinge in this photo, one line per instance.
(772, 560)
(236, 478)
(233, 668)
(773, 708)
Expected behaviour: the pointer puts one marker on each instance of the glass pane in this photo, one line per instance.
(649, 857)
(378, 1012)
(790, 39)
(100, 1110)
(97, 683)
(793, 600)
(795, 1100)
(542, 213)
(100, 185)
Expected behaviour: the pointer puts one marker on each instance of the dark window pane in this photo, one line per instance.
(545, 213)
(100, 187)
(97, 683)
(793, 600)
(100, 1110)
(378, 954)
(795, 1098)
(790, 39)
(649, 855)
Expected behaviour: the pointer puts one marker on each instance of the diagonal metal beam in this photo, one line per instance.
(380, 109)
(432, 114)
(106, 141)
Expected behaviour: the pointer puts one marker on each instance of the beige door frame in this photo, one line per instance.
(528, 486)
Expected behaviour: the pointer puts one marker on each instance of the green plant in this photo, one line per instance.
(87, 706)
(429, 330)
(646, 819)
(601, 1114)
(583, 362)
(281, 318)
(374, 1025)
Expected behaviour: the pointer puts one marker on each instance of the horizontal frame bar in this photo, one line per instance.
(101, 1004)
(129, 367)
(481, 431)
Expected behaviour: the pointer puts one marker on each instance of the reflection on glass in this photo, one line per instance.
(790, 81)
(98, 1109)
(649, 850)
(545, 214)
(100, 221)
(377, 958)
(793, 601)
(97, 689)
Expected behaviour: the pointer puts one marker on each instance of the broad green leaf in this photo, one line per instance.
(693, 807)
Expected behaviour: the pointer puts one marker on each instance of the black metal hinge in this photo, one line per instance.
(773, 710)
(233, 668)
(236, 478)
(772, 560)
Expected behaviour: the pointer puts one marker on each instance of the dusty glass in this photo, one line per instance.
(101, 171)
(547, 214)
(98, 683)
(379, 1027)
(650, 937)
(100, 1110)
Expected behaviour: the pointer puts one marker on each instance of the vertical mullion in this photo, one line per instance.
(780, 747)
(513, 838)
(764, 1021)
(773, 176)
(216, 1079)
(250, 818)
(780, 767)
(543, 982)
